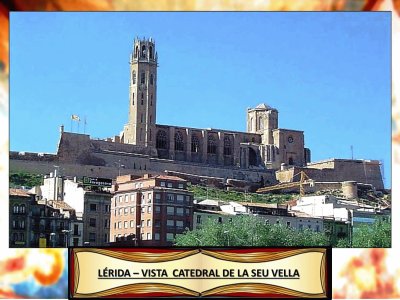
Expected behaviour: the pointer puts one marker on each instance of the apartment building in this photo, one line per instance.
(151, 210)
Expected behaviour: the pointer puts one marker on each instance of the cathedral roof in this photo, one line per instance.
(263, 105)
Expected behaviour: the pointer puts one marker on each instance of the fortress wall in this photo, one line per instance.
(136, 166)
(75, 147)
(343, 170)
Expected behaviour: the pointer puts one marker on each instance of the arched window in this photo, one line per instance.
(251, 124)
(15, 209)
(179, 142)
(195, 144)
(143, 51)
(137, 51)
(151, 79)
(161, 140)
(151, 52)
(133, 77)
(211, 146)
(22, 208)
(260, 123)
(227, 146)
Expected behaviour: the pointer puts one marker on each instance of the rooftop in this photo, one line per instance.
(20, 193)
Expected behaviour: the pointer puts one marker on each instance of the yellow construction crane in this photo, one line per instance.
(304, 179)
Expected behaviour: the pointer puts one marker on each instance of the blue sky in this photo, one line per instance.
(328, 74)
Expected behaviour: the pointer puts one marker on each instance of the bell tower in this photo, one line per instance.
(140, 129)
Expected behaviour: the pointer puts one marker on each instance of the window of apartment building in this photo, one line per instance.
(148, 236)
(287, 224)
(170, 197)
(162, 183)
(126, 210)
(187, 211)
(120, 198)
(93, 207)
(149, 209)
(170, 210)
(126, 198)
(107, 208)
(92, 237)
(132, 197)
(142, 223)
(170, 237)
(149, 197)
(317, 228)
(180, 185)
(115, 225)
(143, 209)
(126, 224)
(120, 225)
(157, 198)
(179, 198)
(157, 223)
(198, 219)
(148, 223)
(157, 209)
(132, 224)
(179, 224)
(187, 199)
(106, 223)
(92, 222)
(157, 236)
(179, 211)
(219, 219)
(121, 211)
(170, 223)
(132, 210)
(105, 238)
(169, 184)
(142, 236)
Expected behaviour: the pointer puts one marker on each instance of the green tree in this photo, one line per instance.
(376, 235)
(25, 179)
(249, 231)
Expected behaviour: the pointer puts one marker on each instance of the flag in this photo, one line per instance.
(75, 118)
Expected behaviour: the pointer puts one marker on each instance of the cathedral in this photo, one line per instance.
(264, 145)
(263, 155)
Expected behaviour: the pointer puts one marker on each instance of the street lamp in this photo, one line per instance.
(227, 233)
(53, 239)
(119, 166)
(66, 232)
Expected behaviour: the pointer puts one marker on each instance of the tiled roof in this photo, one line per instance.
(168, 177)
(61, 204)
(20, 193)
